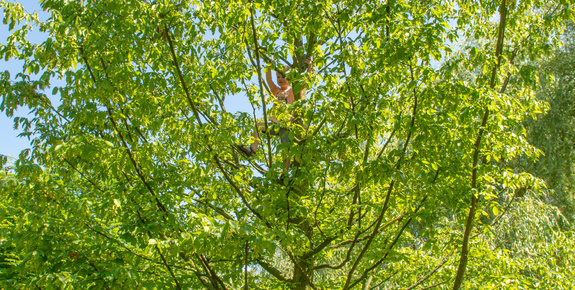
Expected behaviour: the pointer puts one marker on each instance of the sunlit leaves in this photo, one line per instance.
(133, 170)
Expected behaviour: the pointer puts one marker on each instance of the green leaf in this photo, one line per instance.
(495, 210)
(388, 148)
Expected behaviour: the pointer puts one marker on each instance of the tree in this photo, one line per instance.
(554, 132)
(133, 178)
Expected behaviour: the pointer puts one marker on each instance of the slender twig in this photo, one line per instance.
(503, 212)
(239, 191)
(132, 252)
(134, 163)
(215, 208)
(385, 144)
(422, 279)
(366, 237)
(180, 75)
(319, 247)
(83, 176)
(257, 52)
(246, 265)
(168, 267)
(435, 285)
(128, 151)
(210, 274)
(385, 280)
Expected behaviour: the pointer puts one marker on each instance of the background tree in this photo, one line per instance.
(133, 179)
(554, 133)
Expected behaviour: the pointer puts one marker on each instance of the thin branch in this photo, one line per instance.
(215, 208)
(210, 270)
(168, 266)
(318, 127)
(422, 279)
(323, 191)
(239, 191)
(388, 195)
(129, 152)
(319, 247)
(367, 284)
(371, 236)
(503, 212)
(132, 252)
(347, 255)
(477, 146)
(421, 203)
(366, 237)
(83, 176)
(385, 144)
(141, 219)
(180, 75)
(435, 285)
(385, 280)
(134, 163)
(246, 265)
(210, 274)
(257, 51)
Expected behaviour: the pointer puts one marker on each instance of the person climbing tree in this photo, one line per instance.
(284, 93)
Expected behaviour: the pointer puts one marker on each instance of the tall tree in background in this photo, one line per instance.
(554, 133)
(133, 179)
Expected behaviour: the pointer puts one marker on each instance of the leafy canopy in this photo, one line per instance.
(399, 158)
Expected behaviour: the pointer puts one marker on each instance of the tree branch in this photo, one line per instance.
(257, 49)
(133, 161)
(392, 243)
(422, 279)
(240, 193)
(180, 75)
(303, 273)
(474, 198)
(272, 270)
(388, 195)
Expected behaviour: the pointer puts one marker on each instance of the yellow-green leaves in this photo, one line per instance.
(134, 176)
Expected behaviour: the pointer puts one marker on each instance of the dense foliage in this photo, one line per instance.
(554, 133)
(400, 173)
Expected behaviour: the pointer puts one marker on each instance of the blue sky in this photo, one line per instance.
(10, 144)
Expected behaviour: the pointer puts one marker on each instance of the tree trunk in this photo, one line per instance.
(300, 277)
